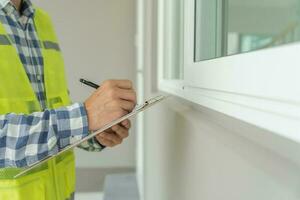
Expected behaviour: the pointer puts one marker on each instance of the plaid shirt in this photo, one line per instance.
(25, 139)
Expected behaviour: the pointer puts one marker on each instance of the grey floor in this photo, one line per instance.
(106, 184)
(91, 180)
(121, 187)
(89, 196)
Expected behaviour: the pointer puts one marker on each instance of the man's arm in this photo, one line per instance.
(25, 139)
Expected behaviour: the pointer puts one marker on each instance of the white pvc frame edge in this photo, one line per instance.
(261, 87)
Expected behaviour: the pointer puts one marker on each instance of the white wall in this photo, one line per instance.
(190, 156)
(97, 39)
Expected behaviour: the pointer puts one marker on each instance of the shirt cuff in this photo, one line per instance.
(91, 145)
(72, 124)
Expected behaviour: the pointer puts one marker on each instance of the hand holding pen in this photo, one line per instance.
(114, 99)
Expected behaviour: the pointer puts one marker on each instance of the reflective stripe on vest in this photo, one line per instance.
(56, 179)
(51, 45)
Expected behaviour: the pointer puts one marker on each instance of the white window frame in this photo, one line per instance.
(260, 87)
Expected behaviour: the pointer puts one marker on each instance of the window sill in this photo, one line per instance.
(258, 120)
(279, 117)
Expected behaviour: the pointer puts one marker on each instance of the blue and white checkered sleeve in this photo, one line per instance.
(25, 139)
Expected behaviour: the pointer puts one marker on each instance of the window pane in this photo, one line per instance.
(244, 25)
(173, 39)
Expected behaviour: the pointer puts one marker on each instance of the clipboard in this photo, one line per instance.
(149, 103)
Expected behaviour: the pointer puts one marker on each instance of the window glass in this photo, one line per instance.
(228, 27)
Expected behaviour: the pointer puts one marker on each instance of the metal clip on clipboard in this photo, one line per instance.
(138, 109)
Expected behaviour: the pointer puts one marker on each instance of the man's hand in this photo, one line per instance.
(115, 135)
(114, 99)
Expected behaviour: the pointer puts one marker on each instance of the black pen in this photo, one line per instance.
(89, 83)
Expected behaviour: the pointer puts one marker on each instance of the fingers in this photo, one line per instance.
(124, 84)
(120, 131)
(113, 139)
(128, 95)
(126, 124)
(114, 136)
(125, 105)
(104, 141)
(122, 89)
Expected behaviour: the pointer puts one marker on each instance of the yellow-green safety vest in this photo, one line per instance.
(54, 180)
